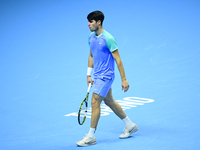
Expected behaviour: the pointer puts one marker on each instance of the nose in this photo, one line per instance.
(89, 23)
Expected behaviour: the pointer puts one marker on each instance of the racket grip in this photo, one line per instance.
(89, 87)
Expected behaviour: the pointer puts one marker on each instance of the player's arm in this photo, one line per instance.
(90, 68)
(125, 84)
(90, 60)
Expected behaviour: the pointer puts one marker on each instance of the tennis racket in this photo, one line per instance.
(83, 108)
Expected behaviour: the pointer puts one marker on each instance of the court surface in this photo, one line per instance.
(43, 63)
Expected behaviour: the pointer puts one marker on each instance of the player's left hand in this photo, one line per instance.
(125, 85)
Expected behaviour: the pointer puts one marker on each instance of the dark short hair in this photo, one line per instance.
(96, 15)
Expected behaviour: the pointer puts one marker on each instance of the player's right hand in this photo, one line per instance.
(89, 80)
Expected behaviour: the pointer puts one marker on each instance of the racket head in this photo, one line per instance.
(83, 108)
(82, 112)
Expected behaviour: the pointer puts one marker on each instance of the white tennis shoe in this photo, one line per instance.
(86, 141)
(129, 130)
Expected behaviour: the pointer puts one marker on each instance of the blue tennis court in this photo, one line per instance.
(43, 64)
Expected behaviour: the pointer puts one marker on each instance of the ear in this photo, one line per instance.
(99, 22)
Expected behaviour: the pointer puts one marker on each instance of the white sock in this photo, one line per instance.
(127, 121)
(91, 132)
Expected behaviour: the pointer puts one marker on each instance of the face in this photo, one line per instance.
(93, 25)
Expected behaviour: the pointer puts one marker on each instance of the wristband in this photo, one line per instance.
(89, 71)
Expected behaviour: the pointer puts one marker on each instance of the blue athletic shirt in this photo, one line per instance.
(102, 47)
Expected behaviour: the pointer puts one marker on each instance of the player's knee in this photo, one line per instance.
(96, 101)
(93, 103)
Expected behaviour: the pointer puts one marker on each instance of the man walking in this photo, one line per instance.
(103, 55)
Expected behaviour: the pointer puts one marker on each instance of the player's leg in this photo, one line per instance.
(96, 110)
(101, 89)
(117, 109)
(90, 139)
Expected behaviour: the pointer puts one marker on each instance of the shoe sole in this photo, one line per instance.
(93, 143)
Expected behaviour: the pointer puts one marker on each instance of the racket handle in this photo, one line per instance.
(89, 87)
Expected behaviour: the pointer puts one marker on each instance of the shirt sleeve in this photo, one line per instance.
(89, 41)
(89, 38)
(111, 43)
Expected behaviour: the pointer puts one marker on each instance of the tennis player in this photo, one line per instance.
(103, 55)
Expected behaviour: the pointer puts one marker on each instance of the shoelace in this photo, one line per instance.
(86, 135)
(126, 127)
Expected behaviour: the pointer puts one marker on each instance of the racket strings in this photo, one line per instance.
(83, 112)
